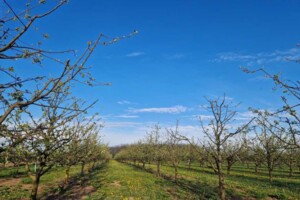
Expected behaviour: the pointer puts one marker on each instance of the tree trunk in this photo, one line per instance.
(228, 169)
(27, 166)
(218, 160)
(256, 168)
(18, 167)
(200, 163)
(290, 168)
(82, 168)
(6, 160)
(35, 186)
(67, 175)
(270, 176)
(93, 166)
(175, 173)
(158, 168)
(221, 186)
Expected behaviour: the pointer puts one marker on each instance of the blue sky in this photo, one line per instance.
(185, 50)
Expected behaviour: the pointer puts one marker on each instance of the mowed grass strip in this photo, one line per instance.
(122, 181)
(241, 183)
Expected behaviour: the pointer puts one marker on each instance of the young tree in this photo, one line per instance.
(50, 133)
(218, 131)
(143, 153)
(88, 149)
(175, 151)
(289, 159)
(272, 146)
(191, 154)
(232, 151)
(256, 154)
(157, 146)
(72, 153)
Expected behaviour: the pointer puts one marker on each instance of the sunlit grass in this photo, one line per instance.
(121, 181)
(242, 182)
(117, 180)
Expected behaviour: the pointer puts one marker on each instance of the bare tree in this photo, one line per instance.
(155, 141)
(267, 135)
(256, 154)
(218, 131)
(289, 159)
(232, 151)
(175, 151)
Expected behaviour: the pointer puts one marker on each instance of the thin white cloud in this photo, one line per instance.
(245, 116)
(260, 58)
(127, 116)
(170, 110)
(123, 102)
(201, 117)
(128, 132)
(204, 117)
(135, 54)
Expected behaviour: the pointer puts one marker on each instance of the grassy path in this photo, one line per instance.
(121, 181)
(115, 180)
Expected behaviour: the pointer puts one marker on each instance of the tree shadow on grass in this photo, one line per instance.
(265, 181)
(258, 179)
(200, 170)
(280, 173)
(78, 186)
(198, 189)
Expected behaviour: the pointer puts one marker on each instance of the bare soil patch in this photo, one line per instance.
(116, 184)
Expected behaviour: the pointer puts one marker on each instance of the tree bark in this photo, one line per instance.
(256, 168)
(189, 163)
(176, 173)
(6, 160)
(158, 168)
(35, 186)
(228, 169)
(290, 168)
(67, 175)
(270, 176)
(82, 168)
(218, 160)
(222, 186)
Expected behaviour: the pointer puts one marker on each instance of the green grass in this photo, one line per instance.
(21, 186)
(242, 182)
(121, 181)
(116, 180)
(12, 172)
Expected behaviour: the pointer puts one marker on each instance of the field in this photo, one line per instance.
(116, 180)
